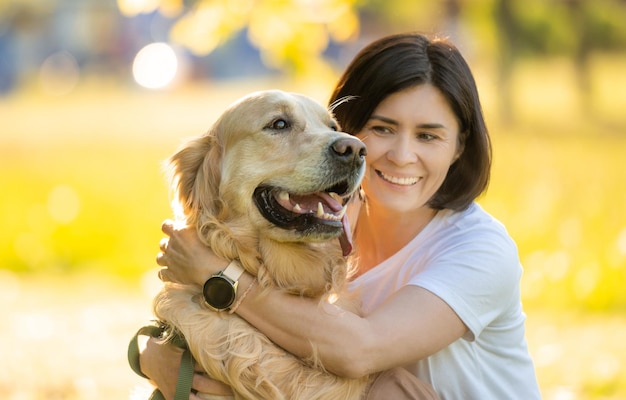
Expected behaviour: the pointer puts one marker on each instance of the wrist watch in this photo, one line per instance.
(220, 290)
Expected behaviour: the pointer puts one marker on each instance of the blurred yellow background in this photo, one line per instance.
(95, 94)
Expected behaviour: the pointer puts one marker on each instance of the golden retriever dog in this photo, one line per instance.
(267, 186)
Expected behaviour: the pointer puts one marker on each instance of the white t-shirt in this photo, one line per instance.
(467, 259)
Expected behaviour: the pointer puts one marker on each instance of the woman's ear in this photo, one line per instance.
(460, 146)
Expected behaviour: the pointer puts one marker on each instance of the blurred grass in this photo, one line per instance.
(83, 197)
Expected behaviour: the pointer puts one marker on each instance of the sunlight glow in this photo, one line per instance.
(155, 66)
(130, 8)
(10, 287)
(586, 280)
(35, 325)
(150, 283)
(332, 298)
(621, 242)
(63, 204)
(140, 392)
(30, 249)
(178, 210)
(169, 8)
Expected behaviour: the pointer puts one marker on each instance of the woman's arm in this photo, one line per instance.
(413, 324)
(396, 333)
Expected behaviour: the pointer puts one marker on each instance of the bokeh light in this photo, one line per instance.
(155, 66)
(63, 204)
(133, 7)
(59, 74)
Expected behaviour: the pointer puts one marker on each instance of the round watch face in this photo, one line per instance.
(219, 292)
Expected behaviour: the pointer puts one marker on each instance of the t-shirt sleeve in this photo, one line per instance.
(477, 275)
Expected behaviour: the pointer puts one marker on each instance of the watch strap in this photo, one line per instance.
(233, 271)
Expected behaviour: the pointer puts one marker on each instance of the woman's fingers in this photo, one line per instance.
(161, 259)
(167, 227)
(203, 384)
(165, 275)
(163, 244)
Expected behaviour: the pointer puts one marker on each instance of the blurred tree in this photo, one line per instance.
(572, 28)
(391, 16)
(290, 35)
(507, 25)
(583, 49)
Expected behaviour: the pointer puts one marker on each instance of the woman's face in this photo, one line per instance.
(412, 139)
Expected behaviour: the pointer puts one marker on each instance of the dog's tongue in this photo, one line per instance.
(345, 239)
(309, 203)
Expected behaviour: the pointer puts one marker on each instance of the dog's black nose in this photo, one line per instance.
(349, 148)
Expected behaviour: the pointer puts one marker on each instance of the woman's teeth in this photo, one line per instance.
(398, 181)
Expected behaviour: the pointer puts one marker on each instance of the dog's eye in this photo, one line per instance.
(279, 124)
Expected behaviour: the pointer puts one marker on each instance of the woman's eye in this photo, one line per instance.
(381, 129)
(427, 137)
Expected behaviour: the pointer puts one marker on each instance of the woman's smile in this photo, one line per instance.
(396, 180)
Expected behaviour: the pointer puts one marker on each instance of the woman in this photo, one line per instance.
(438, 276)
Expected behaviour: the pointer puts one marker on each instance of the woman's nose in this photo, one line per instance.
(402, 152)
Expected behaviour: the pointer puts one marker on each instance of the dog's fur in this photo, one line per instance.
(227, 183)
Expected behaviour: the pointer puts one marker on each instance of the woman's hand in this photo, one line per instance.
(161, 362)
(185, 258)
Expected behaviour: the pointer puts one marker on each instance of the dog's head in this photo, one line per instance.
(275, 161)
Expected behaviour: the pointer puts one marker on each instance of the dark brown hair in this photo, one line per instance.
(401, 61)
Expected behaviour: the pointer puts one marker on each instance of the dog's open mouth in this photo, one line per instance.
(321, 213)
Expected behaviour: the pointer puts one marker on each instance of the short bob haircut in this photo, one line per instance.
(402, 61)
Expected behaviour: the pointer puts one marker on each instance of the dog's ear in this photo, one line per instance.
(194, 175)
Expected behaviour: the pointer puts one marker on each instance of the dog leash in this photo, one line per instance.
(185, 373)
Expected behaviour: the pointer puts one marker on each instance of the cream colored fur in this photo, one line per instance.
(214, 177)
